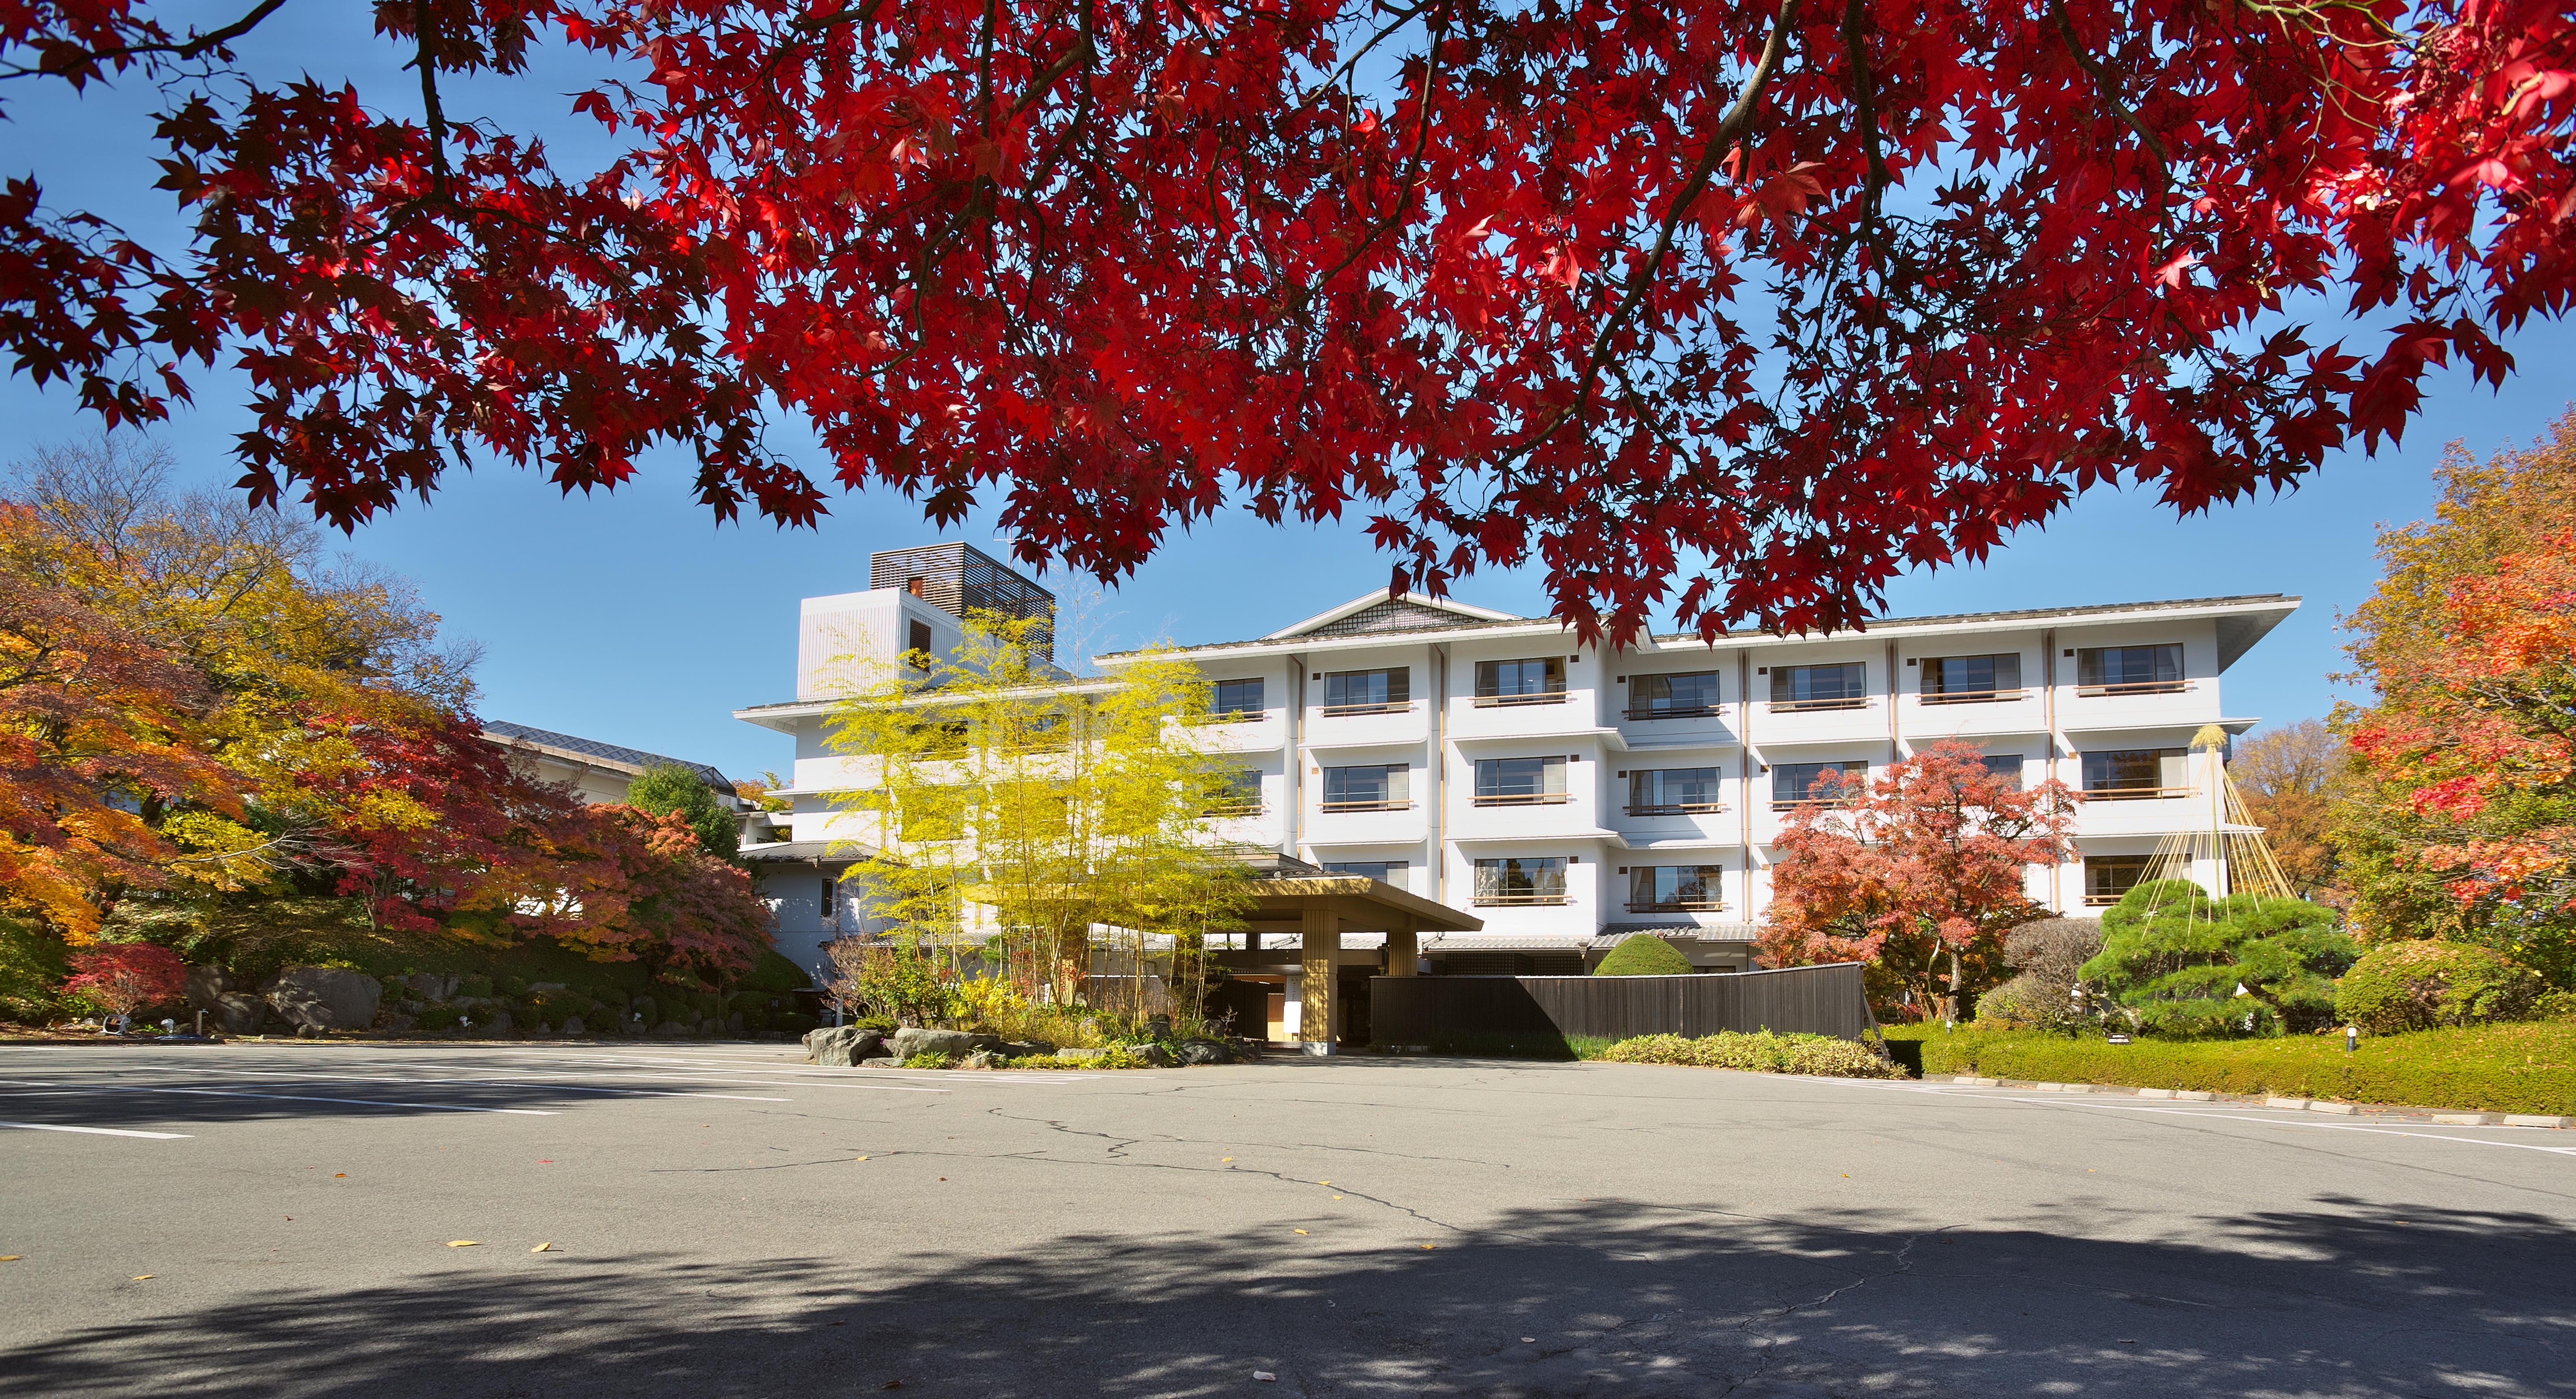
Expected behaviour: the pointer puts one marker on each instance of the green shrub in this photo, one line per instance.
(440, 1018)
(476, 984)
(2422, 985)
(2173, 961)
(664, 788)
(1643, 954)
(2556, 1005)
(33, 963)
(1761, 1052)
(2528, 1067)
(928, 1059)
(775, 974)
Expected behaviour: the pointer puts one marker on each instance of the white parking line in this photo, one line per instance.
(299, 1098)
(97, 1131)
(436, 1081)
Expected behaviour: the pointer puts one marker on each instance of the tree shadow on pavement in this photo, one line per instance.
(1603, 1298)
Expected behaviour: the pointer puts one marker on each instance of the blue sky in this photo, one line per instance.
(634, 619)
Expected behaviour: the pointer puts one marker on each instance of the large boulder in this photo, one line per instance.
(329, 998)
(1206, 1052)
(672, 1030)
(956, 1044)
(239, 1012)
(1081, 1056)
(431, 986)
(205, 984)
(844, 1046)
(572, 1025)
(1028, 1049)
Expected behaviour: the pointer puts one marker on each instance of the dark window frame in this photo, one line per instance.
(1851, 687)
(1643, 703)
(1491, 792)
(1551, 682)
(1394, 691)
(1937, 687)
(1541, 881)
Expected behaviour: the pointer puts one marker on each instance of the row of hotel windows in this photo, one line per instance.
(1686, 694)
(1540, 880)
(2110, 774)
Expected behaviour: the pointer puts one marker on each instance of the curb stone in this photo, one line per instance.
(2339, 1109)
(2525, 1119)
(2465, 1119)
(2293, 1104)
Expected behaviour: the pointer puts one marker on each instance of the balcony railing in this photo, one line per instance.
(1680, 906)
(1972, 696)
(2137, 687)
(1809, 706)
(1336, 711)
(1231, 716)
(1516, 900)
(1393, 804)
(1793, 803)
(2102, 900)
(1521, 798)
(1508, 701)
(2136, 794)
(1234, 809)
(1678, 809)
(1674, 711)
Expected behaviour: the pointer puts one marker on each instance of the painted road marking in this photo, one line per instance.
(97, 1131)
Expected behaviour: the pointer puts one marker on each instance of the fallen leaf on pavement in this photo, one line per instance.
(143, 1277)
(1265, 1376)
(462, 1243)
(1301, 1231)
(10, 1257)
(339, 1175)
(543, 1248)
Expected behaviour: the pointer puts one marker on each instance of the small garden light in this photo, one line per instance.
(2351, 1038)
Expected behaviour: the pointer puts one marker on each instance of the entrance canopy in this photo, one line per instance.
(1318, 908)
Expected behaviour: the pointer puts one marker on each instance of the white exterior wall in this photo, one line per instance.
(1442, 731)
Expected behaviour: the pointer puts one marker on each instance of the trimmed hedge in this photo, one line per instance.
(2491, 1068)
(1761, 1052)
(1644, 954)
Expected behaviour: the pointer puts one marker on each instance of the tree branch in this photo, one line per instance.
(2109, 89)
(196, 44)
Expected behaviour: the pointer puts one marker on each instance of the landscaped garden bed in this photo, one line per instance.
(2528, 1067)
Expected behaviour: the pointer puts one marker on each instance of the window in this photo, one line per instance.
(1368, 691)
(1676, 888)
(941, 738)
(1383, 871)
(2107, 877)
(2130, 773)
(2006, 766)
(1377, 787)
(1687, 695)
(1673, 792)
(1794, 784)
(2129, 670)
(921, 637)
(1239, 796)
(1521, 881)
(1520, 682)
(1520, 781)
(1236, 699)
(1971, 679)
(1819, 686)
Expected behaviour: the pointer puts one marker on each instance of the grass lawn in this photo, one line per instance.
(2529, 1067)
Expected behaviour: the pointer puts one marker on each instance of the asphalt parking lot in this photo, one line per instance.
(277, 1220)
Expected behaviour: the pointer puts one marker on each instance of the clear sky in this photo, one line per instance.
(634, 619)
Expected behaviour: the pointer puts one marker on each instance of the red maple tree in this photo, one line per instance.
(1918, 873)
(123, 977)
(1815, 291)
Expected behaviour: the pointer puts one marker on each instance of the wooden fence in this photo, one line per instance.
(1436, 1010)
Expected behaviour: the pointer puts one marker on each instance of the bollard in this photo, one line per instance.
(2351, 1038)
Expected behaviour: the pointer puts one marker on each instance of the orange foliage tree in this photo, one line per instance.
(1918, 874)
(2463, 821)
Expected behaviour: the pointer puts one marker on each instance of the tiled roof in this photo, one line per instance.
(609, 753)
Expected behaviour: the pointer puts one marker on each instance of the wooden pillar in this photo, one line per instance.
(1318, 1005)
(1403, 949)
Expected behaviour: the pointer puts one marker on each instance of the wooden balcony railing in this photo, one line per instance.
(1234, 809)
(2137, 687)
(2135, 794)
(1972, 696)
(1676, 711)
(1394, 804)
(1793, 803)
(1680, 906)
(1678, 809)
(2102, 900)
(1520, 799)
(1510, 701)
(1516, 900)
(1810, 706)
(1231, 716)
(1336, 711)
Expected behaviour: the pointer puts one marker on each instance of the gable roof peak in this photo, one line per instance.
(1377, 611)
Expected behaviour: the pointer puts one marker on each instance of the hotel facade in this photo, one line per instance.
(1570, 795)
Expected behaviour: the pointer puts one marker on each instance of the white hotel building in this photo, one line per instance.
(1569, 795)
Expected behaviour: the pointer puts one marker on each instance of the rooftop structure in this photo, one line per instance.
(962, 580)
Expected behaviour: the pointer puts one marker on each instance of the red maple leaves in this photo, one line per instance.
(1739, 308)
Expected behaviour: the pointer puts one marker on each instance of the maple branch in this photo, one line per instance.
(1730, 129)
(1412, 165)
(1865, 110)
(426, 35)
(2110, 90)
(196, 45)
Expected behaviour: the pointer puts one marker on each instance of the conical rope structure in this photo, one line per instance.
(2225, 839)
